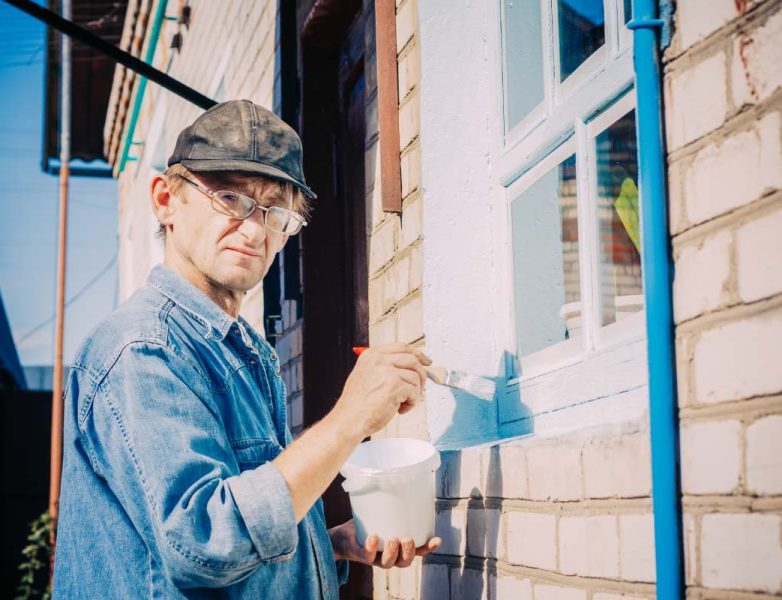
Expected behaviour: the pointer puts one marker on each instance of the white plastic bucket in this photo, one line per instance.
(391, 487)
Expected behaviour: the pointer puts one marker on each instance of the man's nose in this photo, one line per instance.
(253, 229)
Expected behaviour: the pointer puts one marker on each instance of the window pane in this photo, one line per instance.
(523, 58)
(628, 10)
(581, 32)
(621, 286)
(545, 257)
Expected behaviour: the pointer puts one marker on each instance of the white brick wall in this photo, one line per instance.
(618, 466)
(696, 19)
(759, 257)
(742, 552)
(555, 592)
(468, 584)
(755, 72)
(579, 537)
(739, 359)
(695, 101)
(435, 582)
(507, 587)
(701, 276)
(735, 170)
(506, 476)
(483, 532)
(764, 456)
(450, 525)
(636, 547)
(531, 540)
(711, 457)
(554, 471)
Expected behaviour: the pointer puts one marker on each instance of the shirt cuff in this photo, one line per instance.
(342, 571)
(264, 501)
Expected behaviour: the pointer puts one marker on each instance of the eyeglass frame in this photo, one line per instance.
(212, 196)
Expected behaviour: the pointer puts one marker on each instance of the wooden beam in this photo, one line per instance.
(388, 106)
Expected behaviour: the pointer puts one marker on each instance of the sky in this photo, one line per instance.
(29, 212)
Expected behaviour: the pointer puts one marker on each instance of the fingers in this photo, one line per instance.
(404, 349)
(370, 549)
(430, 546)
(411, 363)
(407, 553)
(390, 552)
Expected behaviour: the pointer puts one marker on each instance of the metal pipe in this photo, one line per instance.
(62, 244)
(658, 274)
(124, 58)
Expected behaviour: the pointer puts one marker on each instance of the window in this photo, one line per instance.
(568, 166)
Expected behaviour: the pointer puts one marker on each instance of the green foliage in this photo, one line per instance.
(34, 582)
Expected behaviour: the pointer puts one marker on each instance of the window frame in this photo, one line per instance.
(568, 120)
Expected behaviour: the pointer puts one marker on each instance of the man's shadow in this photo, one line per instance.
(463, 568)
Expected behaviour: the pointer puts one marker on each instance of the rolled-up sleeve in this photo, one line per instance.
(154, 431)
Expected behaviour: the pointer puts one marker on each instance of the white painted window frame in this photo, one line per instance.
(604, 363)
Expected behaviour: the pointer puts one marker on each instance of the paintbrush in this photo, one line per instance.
(475, 385)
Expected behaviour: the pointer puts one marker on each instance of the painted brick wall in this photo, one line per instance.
(724, 125)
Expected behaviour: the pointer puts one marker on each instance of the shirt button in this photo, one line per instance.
(252, 362)
(274, 357)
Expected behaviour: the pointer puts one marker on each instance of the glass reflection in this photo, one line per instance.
(621, 284)
(581, 32)
(546, 277)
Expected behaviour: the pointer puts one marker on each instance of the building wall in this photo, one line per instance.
(723, 119)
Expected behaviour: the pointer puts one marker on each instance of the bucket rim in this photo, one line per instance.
(349, 470)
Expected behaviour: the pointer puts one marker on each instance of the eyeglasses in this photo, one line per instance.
(239, 206)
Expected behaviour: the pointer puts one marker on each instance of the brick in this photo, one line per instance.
(636, 547)
(711, 457)
(504, 469)
(416, 268)
(602, 596)
(381, 245)
(403, 583)
(413, 424)
(409, 120)
(739, 360)
(734, 171)
(405, 24)
(296, 415)
(412, 216)
(435, 582)
(554, 471)
(755, 72)
(555, 592)
(696, 101)
(409, 70)
(618, 467)
(380, 584)
(411, 319)
(759, 258)
(702, 275)
(450, 525)
(697, 19)
(531, 540)
(741, 552)
(460, 474)
(578, 536)
(690, 535)
(483, 532)
(764, 456)
(394, 283)
(468, 584)
(506, 587)
(383, 332)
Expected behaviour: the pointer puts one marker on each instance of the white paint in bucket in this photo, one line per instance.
(391, 486)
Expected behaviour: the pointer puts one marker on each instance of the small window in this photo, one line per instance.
(581, 32)
(523, 62)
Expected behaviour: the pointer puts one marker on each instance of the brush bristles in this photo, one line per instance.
(481, 387)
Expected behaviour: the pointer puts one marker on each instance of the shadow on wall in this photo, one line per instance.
(468, 511)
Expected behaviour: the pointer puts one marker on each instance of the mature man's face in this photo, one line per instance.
(228, 252)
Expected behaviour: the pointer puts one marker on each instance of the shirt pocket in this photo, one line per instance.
(254, 452)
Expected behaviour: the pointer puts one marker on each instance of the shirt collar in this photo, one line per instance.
(171, 284)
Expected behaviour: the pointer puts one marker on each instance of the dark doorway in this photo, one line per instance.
(334, 245)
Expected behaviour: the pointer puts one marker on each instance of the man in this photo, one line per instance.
(179, 472)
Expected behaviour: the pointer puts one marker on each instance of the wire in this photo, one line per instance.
(70, 301)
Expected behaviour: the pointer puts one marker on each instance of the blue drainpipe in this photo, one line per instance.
(658, 274)
(142, 85)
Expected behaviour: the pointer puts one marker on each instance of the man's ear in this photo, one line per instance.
(162, 200)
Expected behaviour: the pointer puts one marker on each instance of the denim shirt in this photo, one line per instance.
(173, 413)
